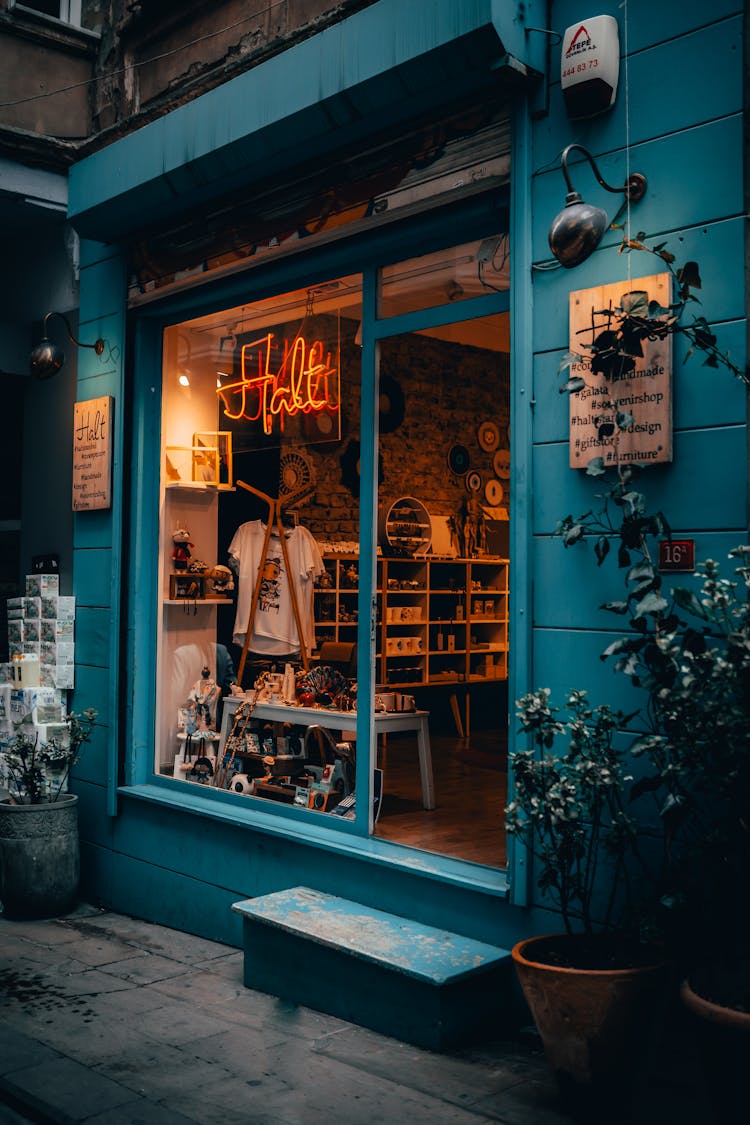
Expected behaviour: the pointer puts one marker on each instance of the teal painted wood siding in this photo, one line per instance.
(97, 557)
(182, 859)
(679, 106)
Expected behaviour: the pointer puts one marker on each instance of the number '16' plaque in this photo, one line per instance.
(677, 554)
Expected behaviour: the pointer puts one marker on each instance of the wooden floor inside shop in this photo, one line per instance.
(470, 792)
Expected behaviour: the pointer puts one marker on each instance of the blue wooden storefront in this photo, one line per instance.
(183, 860)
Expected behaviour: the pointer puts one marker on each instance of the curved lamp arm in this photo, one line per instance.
(635, 188)
(98, 345)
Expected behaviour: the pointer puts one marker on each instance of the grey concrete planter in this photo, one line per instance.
(39, 858)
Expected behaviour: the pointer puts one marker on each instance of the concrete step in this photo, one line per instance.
(420, 984)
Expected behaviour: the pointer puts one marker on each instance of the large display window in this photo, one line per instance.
(260, 650)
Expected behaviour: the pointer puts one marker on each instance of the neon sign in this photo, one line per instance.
(305, 382)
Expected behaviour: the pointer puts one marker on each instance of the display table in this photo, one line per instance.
(386, 722)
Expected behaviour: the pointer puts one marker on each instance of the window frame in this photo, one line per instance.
(69, 11)
(457, 222)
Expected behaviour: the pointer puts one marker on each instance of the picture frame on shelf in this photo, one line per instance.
(212, 458)
(187, 587)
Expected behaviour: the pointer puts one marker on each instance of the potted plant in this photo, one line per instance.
(39, 854)
(693, 754)
(693, 660)
(588, 988)
(689, 652)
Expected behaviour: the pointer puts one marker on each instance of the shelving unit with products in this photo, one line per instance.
(189, 606)
(439, 621)
(193, 505)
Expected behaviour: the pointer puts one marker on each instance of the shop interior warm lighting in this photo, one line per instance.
(579, 228)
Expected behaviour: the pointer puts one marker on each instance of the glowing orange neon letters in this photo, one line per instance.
(304, 383)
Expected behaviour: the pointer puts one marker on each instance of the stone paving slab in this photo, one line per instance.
(461, 1081)
(76, 1091)
(155, 939)
(101, 950)
(111, 1021)
(18, 1050)
(140, 1112)
(161, 1073)
(145, 968)
(179, 1023)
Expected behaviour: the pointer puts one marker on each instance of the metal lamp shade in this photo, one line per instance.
(46, 360)
(576, 231)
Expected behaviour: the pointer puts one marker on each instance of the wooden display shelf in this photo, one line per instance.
(197, 601)
(437, 602)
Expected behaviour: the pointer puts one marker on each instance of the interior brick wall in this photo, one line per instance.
(448, 390)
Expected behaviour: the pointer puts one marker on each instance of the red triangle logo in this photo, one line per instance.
(581, 32)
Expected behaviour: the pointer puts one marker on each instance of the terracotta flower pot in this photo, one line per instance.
(722, 1035)
(596, 1025)
(39, 858)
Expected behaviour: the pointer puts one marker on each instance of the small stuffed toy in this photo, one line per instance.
(182, 545)
(221, 578)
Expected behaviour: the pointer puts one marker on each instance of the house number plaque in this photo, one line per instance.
(677, 554)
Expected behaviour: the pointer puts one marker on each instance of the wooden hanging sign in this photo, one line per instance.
(92, 454)
(643, 394)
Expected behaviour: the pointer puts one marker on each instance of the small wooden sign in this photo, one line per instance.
(677, 554)
(92, 454)
(644, 394)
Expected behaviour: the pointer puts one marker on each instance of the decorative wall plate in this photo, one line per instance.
(459, 460)
(473, 481)
(493, 492)
(349, 461)
(295, 472)
(488, 436)
(501, 464)
(391, 405)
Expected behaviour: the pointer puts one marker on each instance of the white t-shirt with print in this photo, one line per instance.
(274, 627)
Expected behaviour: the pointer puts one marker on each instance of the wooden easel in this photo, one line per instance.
(275, 509)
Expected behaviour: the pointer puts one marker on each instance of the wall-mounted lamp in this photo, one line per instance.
(578, 229)
(47, 358)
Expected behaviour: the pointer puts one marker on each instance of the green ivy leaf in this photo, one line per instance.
(689, 275)
(674, 811)
(645, 785)
(567, 360)
(635, 303)
(570, 386)
(652, 603)
(640, 571)
(615, 607)
(596, 467)
(687, 600)
(601, 549)
(572, 534)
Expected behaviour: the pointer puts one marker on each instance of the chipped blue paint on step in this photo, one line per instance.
(423, 952)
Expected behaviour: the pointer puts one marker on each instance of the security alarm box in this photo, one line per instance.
(590, 66)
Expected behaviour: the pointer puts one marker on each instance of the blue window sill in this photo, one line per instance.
(458, 873)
